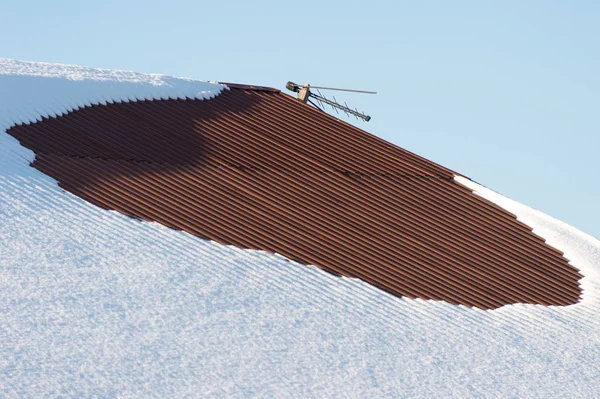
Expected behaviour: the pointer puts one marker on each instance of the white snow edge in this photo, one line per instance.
(30, 91)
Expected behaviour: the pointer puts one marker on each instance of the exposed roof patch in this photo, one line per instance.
(258, 169)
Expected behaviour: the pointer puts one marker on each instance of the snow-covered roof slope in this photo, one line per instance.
(95, 304)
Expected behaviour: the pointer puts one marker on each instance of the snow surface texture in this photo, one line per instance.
(49, 90)
(95, 304)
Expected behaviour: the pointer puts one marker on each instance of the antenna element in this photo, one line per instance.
(304, 95)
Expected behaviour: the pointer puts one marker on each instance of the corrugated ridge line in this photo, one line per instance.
(250, 87)
(169, 223)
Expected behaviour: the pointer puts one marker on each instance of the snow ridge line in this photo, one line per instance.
(41, 90)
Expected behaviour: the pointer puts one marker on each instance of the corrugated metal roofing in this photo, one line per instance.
(258, 169)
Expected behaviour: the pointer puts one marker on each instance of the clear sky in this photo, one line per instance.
(504, 92)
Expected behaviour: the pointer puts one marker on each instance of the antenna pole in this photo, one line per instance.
(304, 95)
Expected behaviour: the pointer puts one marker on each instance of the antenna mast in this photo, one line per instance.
(304, 95)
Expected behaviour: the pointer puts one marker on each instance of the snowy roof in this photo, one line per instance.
(258, 169)
(95, 303)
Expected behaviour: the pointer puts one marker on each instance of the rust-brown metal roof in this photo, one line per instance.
(258, 169)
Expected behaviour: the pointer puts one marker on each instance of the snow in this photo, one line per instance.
(49, 90)
(95, 304)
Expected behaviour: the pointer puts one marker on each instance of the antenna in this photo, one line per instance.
(304, 95)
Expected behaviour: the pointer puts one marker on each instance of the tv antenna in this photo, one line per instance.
(305, 95)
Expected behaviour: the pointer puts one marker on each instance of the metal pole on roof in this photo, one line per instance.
(304, 95)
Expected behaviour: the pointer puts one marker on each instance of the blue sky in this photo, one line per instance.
(506, 93)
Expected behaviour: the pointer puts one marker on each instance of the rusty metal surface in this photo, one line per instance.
(257, 169)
